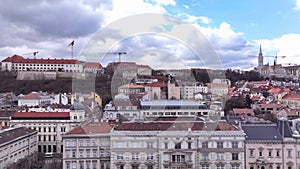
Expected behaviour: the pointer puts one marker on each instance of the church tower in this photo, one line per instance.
(260, 60)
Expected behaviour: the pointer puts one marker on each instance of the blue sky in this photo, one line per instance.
(234, 28)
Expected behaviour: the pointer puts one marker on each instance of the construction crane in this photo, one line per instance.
(275, 58)
(119, 53)
(32, 53)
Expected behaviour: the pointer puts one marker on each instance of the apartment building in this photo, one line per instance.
(87, 147)
(17, 144)
(50, 126)
(271, 146)
(176, 145)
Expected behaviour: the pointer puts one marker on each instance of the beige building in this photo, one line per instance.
(173, 145)
(87, 147)
(17, 144)
(273, 147)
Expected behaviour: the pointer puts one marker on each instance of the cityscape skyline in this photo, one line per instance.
(234, 34)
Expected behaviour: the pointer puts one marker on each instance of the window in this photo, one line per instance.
(150, 156)
(220, 166)
(166, 145)
(120, 157)
(219, 144)
(178, 158)
(88, 153)
(67, 153)
(150, 167)
(81, 165)
(205, 156)
(205, 145)
(289, 153)
(178, 146)
(68, 165)
(204, 166)
(88, 164)
(189, 145)
(220, 156)
(45, 129)
(63, 129)
(135, 156)
(149, 144)
(80, 153)
(251, 153)
(235, 166)
(235, 156)
(73, 154)
(260, 153)
(120, 166)
(270, 153)
(134, 166)
(277, 153)
(94, 163)
(49, 129)
(80, 143)
(87, 142)
(94, 153)
(234, 144)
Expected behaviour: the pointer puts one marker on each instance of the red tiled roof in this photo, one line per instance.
(243, 112)
(273, 105)
(93, 65)
(131, 86)
(102, 127)
(41, 115)
(275, 90)
(20, 59)
(290, 96)
(156, 84)
(31, 96)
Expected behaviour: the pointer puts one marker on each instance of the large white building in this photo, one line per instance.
(18, 63)
(17, 144)
(175, 108)
(174, 145)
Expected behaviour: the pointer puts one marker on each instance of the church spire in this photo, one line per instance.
(260, 52)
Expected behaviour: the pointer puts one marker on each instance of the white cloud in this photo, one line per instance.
(286, 45)
(297, 5)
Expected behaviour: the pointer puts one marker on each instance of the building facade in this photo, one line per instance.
(19, 64)
(87, 147)
(17, 144)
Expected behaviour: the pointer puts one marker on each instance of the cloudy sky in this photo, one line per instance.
(235, 29)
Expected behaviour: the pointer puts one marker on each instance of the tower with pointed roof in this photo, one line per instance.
(260, 60)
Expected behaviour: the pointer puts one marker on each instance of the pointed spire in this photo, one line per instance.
(260, 52)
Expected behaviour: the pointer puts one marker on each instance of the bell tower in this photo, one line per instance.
(260, 60)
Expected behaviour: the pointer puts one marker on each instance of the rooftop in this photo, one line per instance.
(93, 128)
(175, 126)
(20, 59)
(41, 115)
(14, 133)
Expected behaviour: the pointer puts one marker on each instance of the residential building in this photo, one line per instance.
(50, 127)
(92, 67)
(189, 92)
(18, 144)
(271, 146)
(87, 147)
(177, 145)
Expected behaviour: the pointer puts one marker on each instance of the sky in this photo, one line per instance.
(234, 29)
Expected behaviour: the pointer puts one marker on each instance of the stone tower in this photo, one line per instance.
(260, 60)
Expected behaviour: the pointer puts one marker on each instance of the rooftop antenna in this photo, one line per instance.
(72, 46)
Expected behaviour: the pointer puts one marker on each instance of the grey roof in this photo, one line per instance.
(169, 103)
(284, 128)
(261, 132)
(11, 134)
(77, 106)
